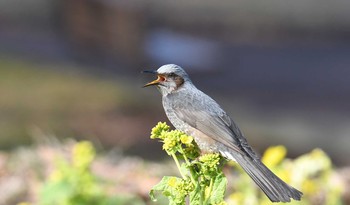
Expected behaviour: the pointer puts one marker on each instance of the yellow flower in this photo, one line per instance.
(172, 182)
(209, 163)
(158, 130)
(211, 159)
(83, 154)
(236, 198)
(169, 144)
(274, 155)
(284, 174)
(309, 187)
(185, 139)
(322, 158)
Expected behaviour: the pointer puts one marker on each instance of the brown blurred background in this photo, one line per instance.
(71, 68)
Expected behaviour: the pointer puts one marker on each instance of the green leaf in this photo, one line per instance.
(219, 188)
(161, 186)
(53, 191)
(184, 168)
(167, 187)
(195, 196)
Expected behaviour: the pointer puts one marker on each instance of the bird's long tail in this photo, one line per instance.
(274, 188)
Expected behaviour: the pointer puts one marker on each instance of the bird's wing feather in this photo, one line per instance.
(212, 127)
(215, 123)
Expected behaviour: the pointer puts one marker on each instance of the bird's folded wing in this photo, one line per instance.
(218, 126)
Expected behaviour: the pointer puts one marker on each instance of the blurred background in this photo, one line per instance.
(71, 69)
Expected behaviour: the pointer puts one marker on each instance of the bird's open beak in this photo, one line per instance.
(155, 82)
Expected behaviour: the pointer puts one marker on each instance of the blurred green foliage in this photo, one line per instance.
(73, 183)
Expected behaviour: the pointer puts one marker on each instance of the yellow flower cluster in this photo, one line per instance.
(210, 163)
(274, 155)
(202, 180)
(158, 130)
(174, 140)
(83, 154)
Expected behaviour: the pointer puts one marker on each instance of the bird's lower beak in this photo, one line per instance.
(155, 82)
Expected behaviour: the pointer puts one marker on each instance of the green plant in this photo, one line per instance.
(202, 181)
(73, 183)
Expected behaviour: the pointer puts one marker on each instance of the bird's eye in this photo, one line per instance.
(172, 75)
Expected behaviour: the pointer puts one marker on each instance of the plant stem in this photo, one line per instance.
(185, 157)
(202, 198)
(207, 196)
(192, 173)
(178, 165)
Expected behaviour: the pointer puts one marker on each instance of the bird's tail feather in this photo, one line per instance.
(274, 188)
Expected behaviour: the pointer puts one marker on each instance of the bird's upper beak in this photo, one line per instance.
(155, 82)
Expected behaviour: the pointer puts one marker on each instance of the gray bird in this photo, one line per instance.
(198, 115)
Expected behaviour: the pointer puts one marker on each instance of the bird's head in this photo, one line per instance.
(171, 77)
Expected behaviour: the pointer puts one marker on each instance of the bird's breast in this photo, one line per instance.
(173, 118)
